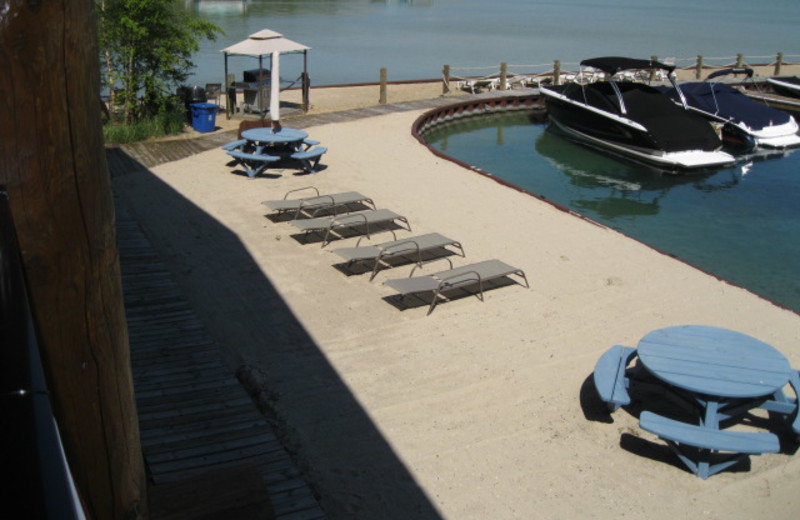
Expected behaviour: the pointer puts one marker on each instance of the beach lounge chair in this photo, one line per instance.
(437, 283)
(310, 206)
(411, 246)
(369, 220)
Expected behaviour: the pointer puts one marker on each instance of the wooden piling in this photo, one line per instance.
(382, 98)
(653, 71)
(778, 62)
(446, 79)
(59, 191)
(699, 68)
(306, 85)
(739, 61)
(504, 76)
(557, 72)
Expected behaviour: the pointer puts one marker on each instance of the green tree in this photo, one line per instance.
(146, 50)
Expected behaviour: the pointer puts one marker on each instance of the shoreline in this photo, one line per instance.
(480, 410)
(325, 99)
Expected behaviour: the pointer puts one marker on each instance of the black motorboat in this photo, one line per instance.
(785, 85)
(633, 119)
(744, 122)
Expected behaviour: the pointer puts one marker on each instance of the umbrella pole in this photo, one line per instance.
(261, 86)
(275, 91)
(227, 90)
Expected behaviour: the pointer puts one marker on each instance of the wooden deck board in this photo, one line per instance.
(196, 421)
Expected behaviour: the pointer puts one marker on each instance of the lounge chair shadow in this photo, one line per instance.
(318, 237)
(288, 216)
(394, 262)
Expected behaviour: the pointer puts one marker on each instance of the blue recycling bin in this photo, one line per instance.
(204, 116)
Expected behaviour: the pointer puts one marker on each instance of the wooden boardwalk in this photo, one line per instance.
(197, 422)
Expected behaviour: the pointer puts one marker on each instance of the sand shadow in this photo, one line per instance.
(424, 299)
(343, 454)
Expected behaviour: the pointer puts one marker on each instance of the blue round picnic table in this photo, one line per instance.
(266, 135)
(713, 361)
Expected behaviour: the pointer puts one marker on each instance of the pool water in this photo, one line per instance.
(740, 223)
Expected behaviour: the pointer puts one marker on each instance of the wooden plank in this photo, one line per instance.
(195, 418)
(231, 493)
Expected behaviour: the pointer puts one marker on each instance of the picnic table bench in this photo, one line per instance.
(678, 434)
(254, 163)
(609, 376)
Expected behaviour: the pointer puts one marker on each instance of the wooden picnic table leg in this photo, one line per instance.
(711, 421)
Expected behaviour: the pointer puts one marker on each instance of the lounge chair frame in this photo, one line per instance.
(368, 218)
(412, 246)
(310, 206)
(478, 273)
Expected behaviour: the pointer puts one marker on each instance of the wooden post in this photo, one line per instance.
(698, 74)
(306, 86)
(653, 71)
(446, 79)
(54, 166)
(504, 76)
(230, 92)
(778, 63)
(557, 72)
(739, 61)
(382, 98)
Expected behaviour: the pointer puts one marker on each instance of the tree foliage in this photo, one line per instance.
(146, 47)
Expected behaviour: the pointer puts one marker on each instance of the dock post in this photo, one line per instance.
(230, 90)
(739, 61)
(699, 68)
(778, 62)
(503, 76)
(557, 72)
(653, 71)
(382, 99)
(446, 79)
(306, 85)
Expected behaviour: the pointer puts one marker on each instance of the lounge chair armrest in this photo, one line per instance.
(408, 242)
(445, 280)
(301, 189)
(420, 264)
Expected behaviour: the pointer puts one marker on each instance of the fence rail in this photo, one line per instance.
(508, 76)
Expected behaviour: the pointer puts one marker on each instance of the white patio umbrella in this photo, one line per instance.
(275, 91)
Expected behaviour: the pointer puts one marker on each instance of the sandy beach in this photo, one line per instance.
(482, 409)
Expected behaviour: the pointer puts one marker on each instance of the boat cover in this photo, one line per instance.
(728, 103)
(671, 126)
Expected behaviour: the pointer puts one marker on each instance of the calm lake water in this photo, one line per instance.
(413, 39)
(741, 223)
